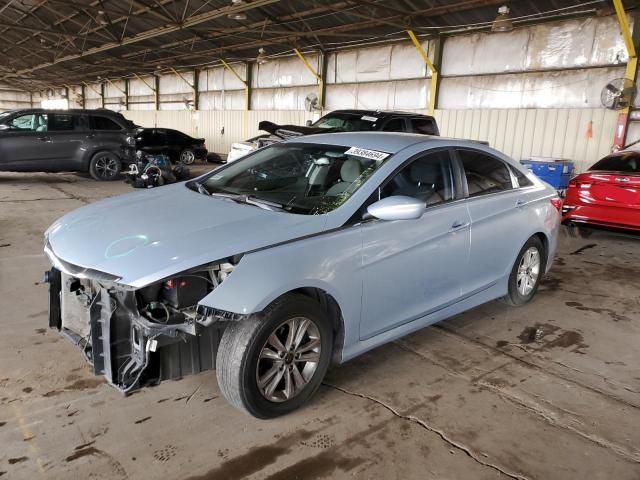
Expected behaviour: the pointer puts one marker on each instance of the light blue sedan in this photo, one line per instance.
(300, 254)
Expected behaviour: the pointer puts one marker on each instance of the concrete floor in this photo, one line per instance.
(547, 391)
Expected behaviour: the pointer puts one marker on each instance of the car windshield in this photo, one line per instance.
(348, 122)
(619, 162)
(299, 178)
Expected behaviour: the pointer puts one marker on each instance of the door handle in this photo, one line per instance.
(458, 225)
(622, 179)
(44, 139)
(521, 203)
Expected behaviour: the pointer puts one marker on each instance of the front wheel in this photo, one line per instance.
(526, 273)
(187, 157)
(270, 364)
(105, 166)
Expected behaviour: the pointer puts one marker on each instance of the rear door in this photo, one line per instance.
(25, 145)
(67, 136)
(498, 211)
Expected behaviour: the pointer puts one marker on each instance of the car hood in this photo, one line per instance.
(145, 236)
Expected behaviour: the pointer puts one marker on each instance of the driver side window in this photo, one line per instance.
(34, 122)
(428, 178)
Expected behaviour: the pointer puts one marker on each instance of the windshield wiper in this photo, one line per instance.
(249, 200)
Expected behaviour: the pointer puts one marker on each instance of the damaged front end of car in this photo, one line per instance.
(138, 337)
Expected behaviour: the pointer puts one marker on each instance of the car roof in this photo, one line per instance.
(390, 142)
(379, 113)
(95, 111)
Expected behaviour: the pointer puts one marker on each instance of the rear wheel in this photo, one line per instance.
(526, 273)
(271, 364)
(187, 156)
(105, 166)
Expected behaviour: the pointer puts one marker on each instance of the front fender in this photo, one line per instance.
(329, 261)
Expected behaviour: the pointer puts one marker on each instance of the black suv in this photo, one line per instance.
(339, 121)
(99, 141)
(377, 120)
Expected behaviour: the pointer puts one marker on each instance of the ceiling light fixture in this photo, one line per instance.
(503, 22)
(237, 15)
(262, 56)
(101, 18)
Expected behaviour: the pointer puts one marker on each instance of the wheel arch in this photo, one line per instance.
(331, 307)
(545, 243)
(90, 154)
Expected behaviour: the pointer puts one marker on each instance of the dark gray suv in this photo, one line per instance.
(100, 141)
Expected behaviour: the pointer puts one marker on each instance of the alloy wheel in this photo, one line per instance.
(106, 167)
(528, 271)
(288, 359)
(187, 157)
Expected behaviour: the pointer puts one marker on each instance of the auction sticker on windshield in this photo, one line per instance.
(365, 153)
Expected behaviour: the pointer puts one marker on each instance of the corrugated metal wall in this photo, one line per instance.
(580, 134)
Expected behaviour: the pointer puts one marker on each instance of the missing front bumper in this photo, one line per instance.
(129, 350)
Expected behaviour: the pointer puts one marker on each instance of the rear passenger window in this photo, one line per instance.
(485, 174)
(61, 122)
(425, 126)
(104, 123)
(394, 125)
(429, 178)
(522, 179)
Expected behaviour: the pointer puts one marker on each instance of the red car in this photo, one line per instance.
(607, 195)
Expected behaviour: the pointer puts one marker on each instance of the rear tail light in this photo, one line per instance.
(556, 202)
(576, 182)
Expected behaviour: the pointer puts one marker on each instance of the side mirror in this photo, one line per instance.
(397, 207)
(308, 123)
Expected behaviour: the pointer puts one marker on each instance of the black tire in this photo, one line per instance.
(237, 363)
(578, 231)
(213, 158)
(187, 156)
(515, 297)
(105, 166)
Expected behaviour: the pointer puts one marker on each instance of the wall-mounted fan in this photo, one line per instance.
(618, 94)
(311, 102)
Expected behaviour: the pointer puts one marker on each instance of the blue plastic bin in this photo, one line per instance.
(555, 171)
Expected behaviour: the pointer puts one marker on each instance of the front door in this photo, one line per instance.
(412, 268)
(25, 145)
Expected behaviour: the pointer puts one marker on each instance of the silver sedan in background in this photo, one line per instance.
(302, 253)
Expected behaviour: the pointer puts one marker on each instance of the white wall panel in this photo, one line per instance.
(568, 89)
(281, 98)
(285, 72)
(172, 83)
(388, 62)
(220, 78)
(398, 94)
(556, 45)
(139, 88)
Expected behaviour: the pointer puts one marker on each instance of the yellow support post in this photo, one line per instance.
(433, 84)
(630, 72)
(244, 82)
(315, 74)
